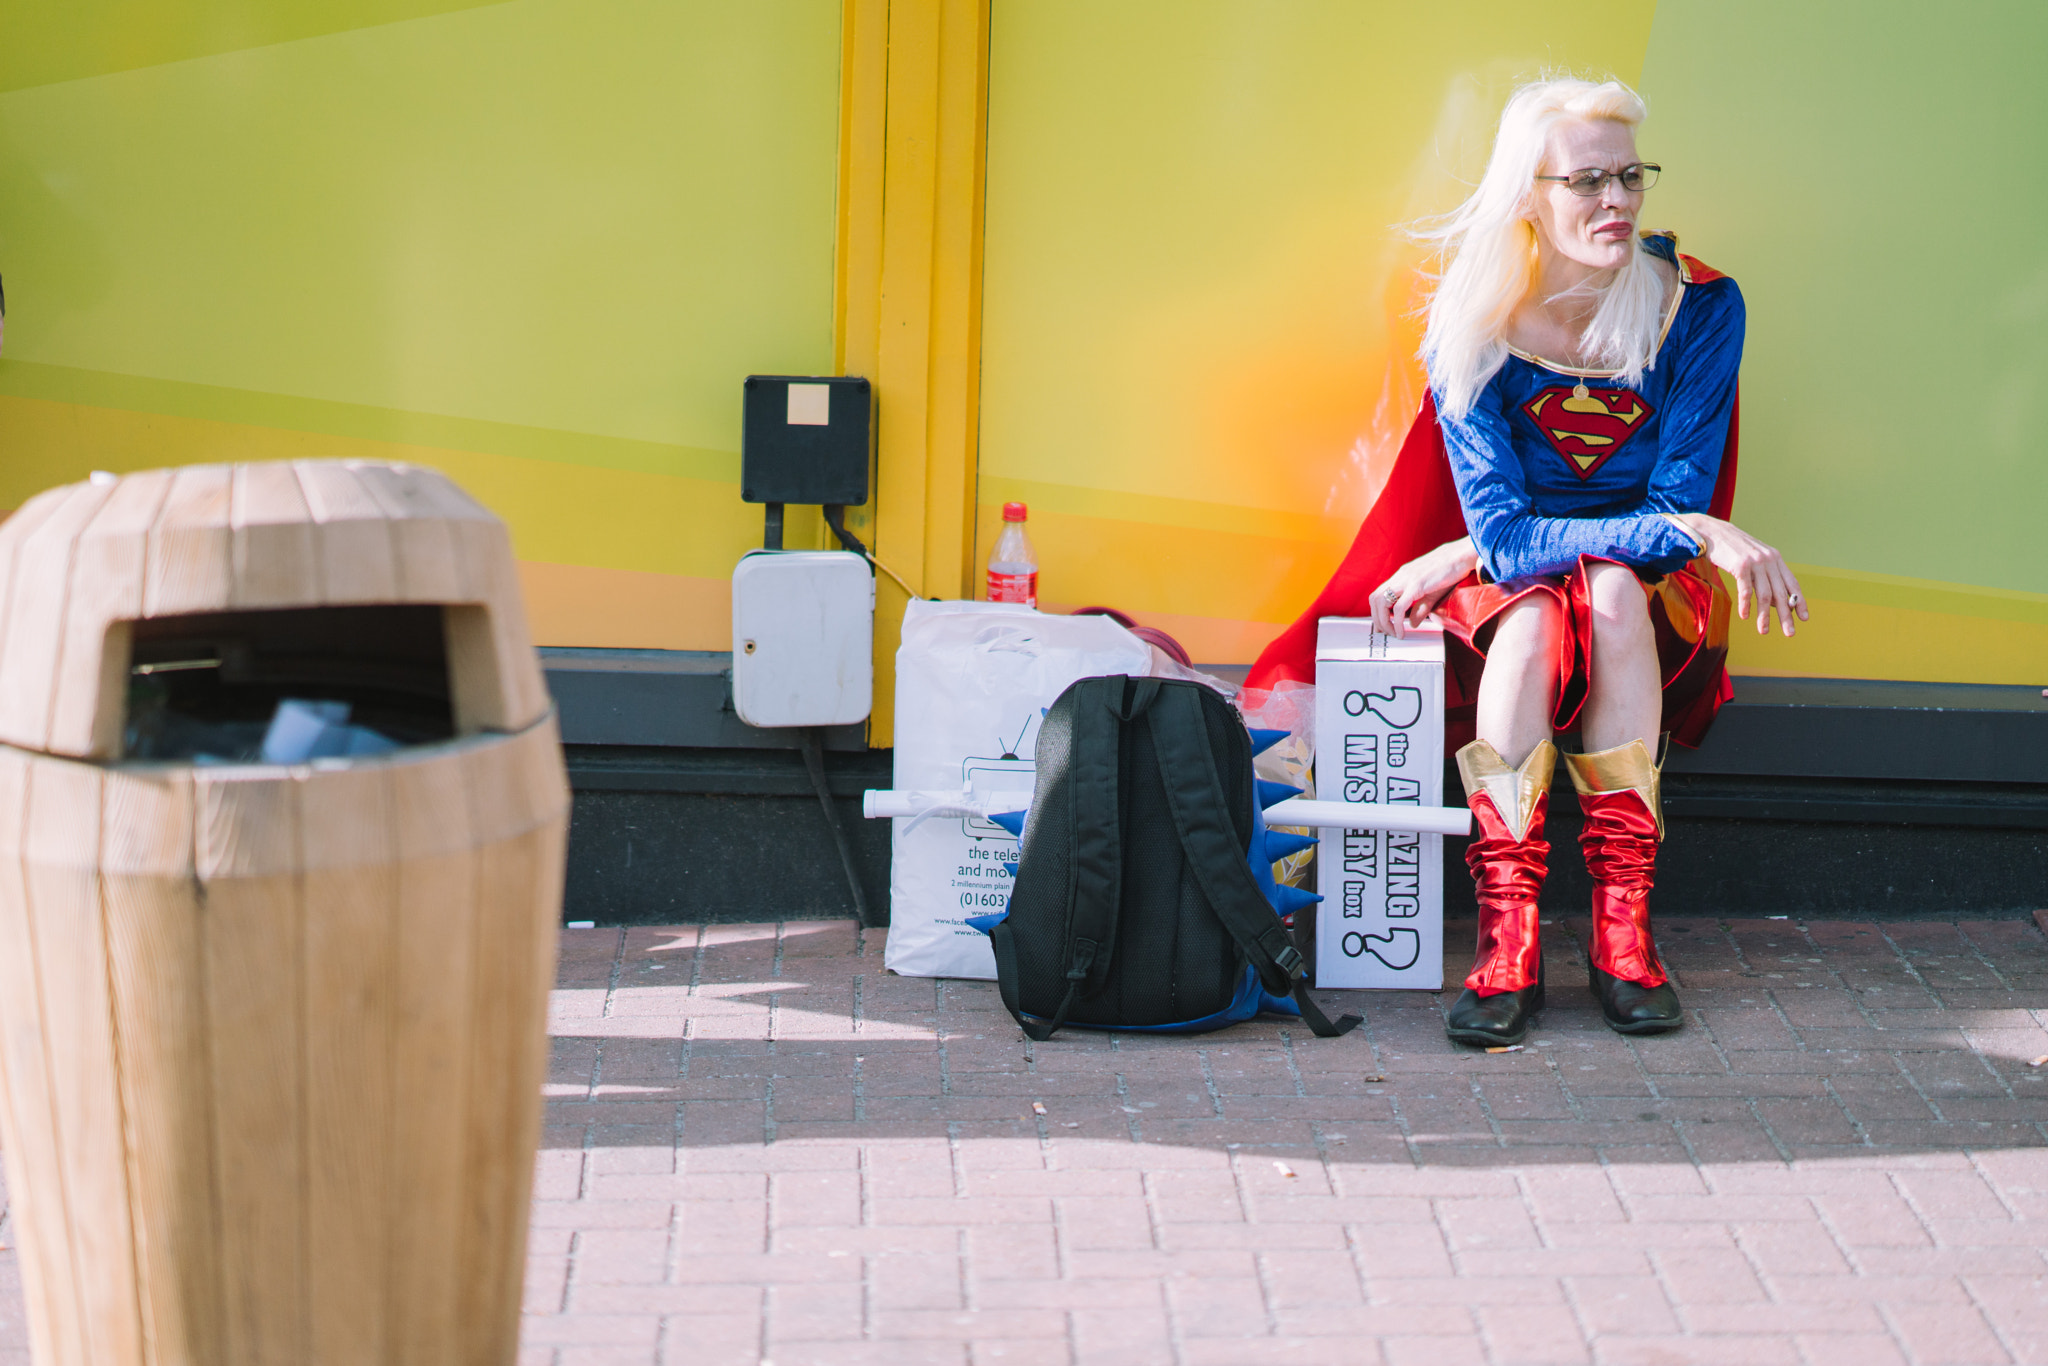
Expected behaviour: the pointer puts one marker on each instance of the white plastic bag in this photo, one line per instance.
(973, 680)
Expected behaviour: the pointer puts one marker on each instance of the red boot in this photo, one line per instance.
(1507, 857)
(1618, 791)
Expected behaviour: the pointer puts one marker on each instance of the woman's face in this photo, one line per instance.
(1594, 230)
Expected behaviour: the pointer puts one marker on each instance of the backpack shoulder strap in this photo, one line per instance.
(1102, 707)
(1096, 875)
(1195, 795)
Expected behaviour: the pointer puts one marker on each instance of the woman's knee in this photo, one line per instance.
(1529, 630)
(1621, 609)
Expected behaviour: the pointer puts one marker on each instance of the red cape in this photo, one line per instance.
(1415, 513)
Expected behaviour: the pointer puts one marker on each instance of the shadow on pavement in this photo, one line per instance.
(1803, 1041)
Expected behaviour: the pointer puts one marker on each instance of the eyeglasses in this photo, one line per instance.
(1592, 181)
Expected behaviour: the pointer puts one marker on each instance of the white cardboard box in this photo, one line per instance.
(1379, 738)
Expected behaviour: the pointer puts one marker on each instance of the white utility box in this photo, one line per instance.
(1379, 738)
(803, 638)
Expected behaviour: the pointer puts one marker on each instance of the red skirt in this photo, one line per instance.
(1689, 611)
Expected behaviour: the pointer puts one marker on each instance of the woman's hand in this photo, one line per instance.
(1414, 590)
(1761, 574)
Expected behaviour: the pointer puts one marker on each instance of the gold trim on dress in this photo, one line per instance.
(1514, 792)
(1699, 547)
(1670, 317)
(1625, 768)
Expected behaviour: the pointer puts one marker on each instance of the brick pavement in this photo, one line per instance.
(763, 1148)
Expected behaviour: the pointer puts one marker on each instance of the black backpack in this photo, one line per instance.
(1135, 905)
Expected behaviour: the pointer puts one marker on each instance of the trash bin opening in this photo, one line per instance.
(284, 686)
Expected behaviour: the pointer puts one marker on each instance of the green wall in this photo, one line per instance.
(1873, 172)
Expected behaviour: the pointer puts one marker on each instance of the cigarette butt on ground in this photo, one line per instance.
(1283, 1169)
(2041, 1061)
(1510, 1048)
(1037, 1107)
(1374, 1076)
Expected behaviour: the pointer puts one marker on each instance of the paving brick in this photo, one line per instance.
(1792, 1248)
(1749, 1349)
(1850, 1349)
(1541, 1335)
(1137, 1334)
(1432, 1350)
(1627, 1304)
(1944, 1335)
(1708, 1275)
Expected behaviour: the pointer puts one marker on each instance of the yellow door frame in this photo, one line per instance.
(913, 140)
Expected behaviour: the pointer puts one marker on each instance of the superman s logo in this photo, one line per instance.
(1587, 427)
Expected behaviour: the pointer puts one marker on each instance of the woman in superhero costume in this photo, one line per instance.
(1561, 505)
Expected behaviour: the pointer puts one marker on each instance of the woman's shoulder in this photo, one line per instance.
(1698, 276)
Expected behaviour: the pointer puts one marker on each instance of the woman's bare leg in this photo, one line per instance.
(1507, 773)
(1518, 690)
(1626, 700)
(1617, 782)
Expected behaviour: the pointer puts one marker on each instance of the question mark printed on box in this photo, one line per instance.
(1398, 948)
(1399, 706)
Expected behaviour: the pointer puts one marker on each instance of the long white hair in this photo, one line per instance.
(1489, 246)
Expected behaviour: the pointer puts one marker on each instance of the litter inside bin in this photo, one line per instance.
(285, 687)
(298, 730)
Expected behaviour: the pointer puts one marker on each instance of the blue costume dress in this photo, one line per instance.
(1552, 464)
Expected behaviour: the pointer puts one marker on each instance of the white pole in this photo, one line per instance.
(881, 804)
(1429, 820)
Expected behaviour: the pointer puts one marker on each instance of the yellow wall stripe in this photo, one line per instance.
(575, 604)
(254, 408)
(1868, 640)
(560, 513)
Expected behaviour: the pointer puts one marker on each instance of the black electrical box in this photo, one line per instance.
(806, 439)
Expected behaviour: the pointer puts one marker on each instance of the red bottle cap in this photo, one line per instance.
(1015, 512)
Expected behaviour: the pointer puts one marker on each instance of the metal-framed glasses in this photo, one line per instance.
(1592, 180)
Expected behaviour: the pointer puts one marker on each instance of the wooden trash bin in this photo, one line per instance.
(273, 1035)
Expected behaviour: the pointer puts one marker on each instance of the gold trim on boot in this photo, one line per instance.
(1625, 768)
(1513, 791)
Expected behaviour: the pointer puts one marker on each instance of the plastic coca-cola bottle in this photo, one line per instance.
(1013, 565)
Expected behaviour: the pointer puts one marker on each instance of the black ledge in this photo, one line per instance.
(1810, 797)
(1850, 729)
(677, 699)
(1805, 749)
(722, 772)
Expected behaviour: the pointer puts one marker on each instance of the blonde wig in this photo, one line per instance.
(1489, 247)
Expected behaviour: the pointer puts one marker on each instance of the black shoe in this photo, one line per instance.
(1495, 1021)
(1633, 1009)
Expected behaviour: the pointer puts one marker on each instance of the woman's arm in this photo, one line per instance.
(1513, 540)
(1694, 439)
(1692, 436)
(1760, 572)
(1413, 591)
